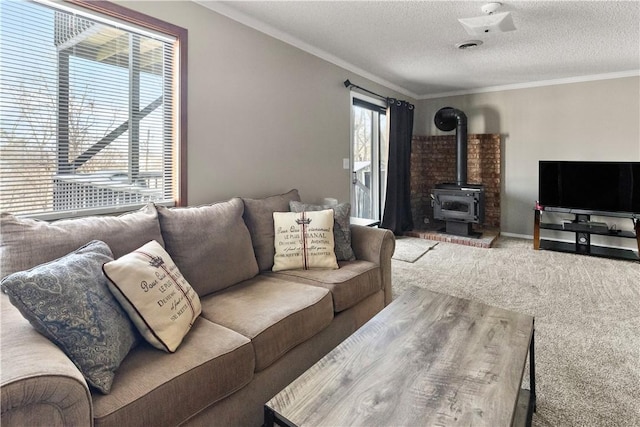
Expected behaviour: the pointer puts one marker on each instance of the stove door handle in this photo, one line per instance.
(476, 208)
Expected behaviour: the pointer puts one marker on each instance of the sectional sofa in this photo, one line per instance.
(258, 329)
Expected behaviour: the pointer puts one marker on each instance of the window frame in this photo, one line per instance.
(132, 21)
(181, 34)
(378, 107)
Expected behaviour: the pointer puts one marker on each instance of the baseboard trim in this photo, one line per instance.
(517, 236)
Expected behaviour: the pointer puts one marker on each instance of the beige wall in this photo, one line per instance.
(598, 120)
(264, 117)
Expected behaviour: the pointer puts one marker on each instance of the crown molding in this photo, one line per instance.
(541, 83)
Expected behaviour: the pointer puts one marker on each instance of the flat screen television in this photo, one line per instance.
(589, 187)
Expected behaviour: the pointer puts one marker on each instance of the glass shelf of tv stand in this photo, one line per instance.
(614, 233)
(580, 230)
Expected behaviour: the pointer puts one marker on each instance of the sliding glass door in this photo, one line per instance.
(369, 154)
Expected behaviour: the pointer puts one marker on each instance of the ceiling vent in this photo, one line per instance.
(490, 23)
(469, 44)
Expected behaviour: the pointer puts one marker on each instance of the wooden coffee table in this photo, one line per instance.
(428, 359)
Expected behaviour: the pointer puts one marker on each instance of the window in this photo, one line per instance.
(369, 155)
(91, 101)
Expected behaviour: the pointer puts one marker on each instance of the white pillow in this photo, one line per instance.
(304, 240)
(151, 289)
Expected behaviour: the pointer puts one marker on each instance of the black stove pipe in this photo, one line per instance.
(447, 119)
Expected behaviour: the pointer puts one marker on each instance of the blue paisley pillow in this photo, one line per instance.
(68, 301)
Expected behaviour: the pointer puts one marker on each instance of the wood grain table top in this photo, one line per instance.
(427, 359)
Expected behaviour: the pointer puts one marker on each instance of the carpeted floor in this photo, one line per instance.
(587, 314)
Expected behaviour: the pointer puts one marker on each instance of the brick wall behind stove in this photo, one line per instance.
(433, 161)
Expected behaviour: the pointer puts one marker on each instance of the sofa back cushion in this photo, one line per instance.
(25, 243)
(210, 244)
(258, 215)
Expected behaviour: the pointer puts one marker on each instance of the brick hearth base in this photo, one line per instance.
(484, 241)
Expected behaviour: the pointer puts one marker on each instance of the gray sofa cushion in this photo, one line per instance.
(258, 215)
(210, 244)
(275, 314)
(153, 388)
(67, 300)
(25, 243)
(350, 284)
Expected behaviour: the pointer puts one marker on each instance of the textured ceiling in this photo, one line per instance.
(410, 45)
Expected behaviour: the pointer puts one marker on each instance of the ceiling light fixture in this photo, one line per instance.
(491, 23)
(469, 44)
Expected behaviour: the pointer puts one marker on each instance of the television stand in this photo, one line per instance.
(583, 228)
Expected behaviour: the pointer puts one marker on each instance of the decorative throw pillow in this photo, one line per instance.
(341, 226)
(258, 215)
(160, 302)
(304, 240)
(67, 300)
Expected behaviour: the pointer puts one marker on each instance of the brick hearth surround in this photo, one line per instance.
(433, 161)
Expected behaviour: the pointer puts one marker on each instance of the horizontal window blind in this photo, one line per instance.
(87, 113)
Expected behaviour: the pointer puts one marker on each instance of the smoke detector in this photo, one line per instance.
(491, 22)
(491, 8)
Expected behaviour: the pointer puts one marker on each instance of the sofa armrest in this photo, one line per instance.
(39, 384)
(375, 245)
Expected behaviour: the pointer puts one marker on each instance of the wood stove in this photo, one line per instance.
(459, 204)
(459, 207)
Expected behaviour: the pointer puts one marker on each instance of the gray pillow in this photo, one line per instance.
(258, 215)
(68, 301)
(341, 226)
